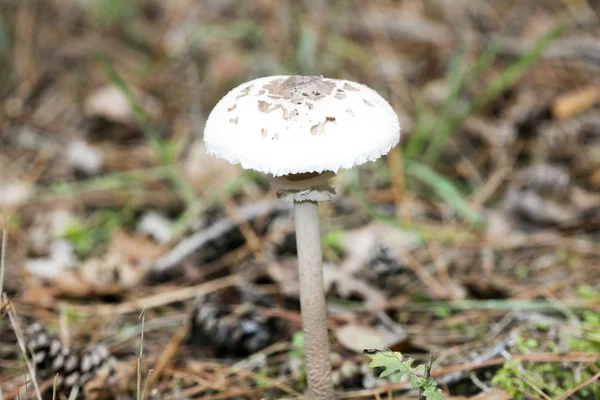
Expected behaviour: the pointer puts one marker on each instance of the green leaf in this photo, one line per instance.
(433, 393)
(391, 362)
(395, 363)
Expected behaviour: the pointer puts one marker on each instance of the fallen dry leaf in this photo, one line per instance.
(340, 283)
(360, 337)
(360, 244)
(575, 102)
(108, 275)
(134, 249)
(109, 103)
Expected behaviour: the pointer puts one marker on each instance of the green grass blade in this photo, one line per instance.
(445, 189)
(446, 121)
(165, 149)
(511, 74)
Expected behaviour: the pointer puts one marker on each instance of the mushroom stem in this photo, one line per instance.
(312, 301)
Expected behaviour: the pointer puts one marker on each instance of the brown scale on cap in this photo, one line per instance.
(297, 89)
(266, 107)
(245, 92)
(319, 128)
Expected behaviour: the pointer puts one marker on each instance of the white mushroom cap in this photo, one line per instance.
(283, 125)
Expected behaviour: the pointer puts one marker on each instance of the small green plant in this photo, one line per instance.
(333, 241)
(296, 357)
(394, 363)
(434, 128)
(517, 377)
(87, 235)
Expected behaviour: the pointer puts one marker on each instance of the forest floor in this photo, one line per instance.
(136, 266)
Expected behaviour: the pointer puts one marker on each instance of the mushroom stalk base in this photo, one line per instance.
(312, 301)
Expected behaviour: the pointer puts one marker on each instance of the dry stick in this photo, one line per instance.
(196, 241)
(118, 340)
(274, 383)
(193, 369)
(423, 274)
(528, 394)
(3, 260)
(488, 189)
(15, 392)
(532, 385)
(54, 385)
(426, 377)
(245, 228)
(205, 383)
(140, 355)
(19, 334)
(583, 384)
(165, 357)
(147, 383)
(162, 299)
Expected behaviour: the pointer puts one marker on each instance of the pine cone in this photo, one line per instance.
(51, 358)
(388, 271)
(234, 330)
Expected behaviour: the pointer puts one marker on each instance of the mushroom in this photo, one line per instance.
(300, 130)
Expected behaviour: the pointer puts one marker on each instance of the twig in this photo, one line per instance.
(19, 334)
(147, 383)
(155, 324)
(140, 356)
(3, 260)
(161, 299)
(54, 385)
(246, 229)
(165, 357)
(532, 385)
(196, 241)
(426, 377)
(583, 384)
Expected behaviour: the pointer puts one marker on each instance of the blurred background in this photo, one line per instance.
(475, 239)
